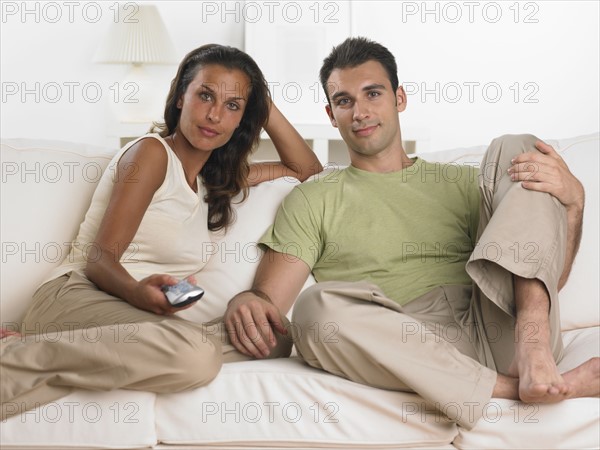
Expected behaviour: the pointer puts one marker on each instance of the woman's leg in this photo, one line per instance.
(76, 336)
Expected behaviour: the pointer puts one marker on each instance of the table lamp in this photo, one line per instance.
(138, 38)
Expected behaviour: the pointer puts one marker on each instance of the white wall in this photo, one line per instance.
(551, 51)
(548, 55)
(36, 47)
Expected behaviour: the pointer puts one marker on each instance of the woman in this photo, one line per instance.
(215, 110)
(149, 216)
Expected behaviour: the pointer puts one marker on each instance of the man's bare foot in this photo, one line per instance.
(539, 379)
(584, 380)
(4, 332)
(533, 364)
(506, 387)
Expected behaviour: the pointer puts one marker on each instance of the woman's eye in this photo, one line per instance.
(205, 96)
(233, 106)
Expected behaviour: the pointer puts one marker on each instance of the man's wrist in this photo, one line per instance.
(257, 292)
(579, 203)
(575, 209)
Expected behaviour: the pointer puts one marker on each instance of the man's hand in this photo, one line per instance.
(251, 321)
(546, 171)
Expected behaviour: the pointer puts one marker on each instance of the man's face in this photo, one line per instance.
(365, 109)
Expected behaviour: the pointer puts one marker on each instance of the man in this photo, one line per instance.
(403, 253)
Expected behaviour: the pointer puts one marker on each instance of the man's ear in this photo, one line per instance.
(330, 114)
(401, 99)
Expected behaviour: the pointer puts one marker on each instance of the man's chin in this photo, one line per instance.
(367, 152)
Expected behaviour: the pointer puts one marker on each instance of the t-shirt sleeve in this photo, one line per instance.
(296, 230)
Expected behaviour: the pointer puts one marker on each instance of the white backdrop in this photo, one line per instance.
(472, 69)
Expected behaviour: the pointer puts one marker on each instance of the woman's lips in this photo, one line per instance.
(208, 132)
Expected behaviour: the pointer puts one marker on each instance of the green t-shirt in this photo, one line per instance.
(407, 231)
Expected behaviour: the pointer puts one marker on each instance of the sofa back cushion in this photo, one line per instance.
(580, 298)
(46, 190)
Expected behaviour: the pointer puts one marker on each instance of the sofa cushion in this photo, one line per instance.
(285, 403)
(580, 298)
(46, 190)
(85, 419)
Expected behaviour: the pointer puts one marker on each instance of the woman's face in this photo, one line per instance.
(213, 106)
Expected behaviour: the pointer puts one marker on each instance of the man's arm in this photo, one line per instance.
(253, 315)
(547, 172)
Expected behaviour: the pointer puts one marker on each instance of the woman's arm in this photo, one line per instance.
(132, 193)
(297, 158)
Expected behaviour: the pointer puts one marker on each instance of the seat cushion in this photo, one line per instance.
(285, 403)
(116, 419)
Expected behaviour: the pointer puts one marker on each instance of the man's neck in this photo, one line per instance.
(389, 160)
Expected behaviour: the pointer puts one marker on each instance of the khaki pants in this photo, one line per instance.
(95, 341)
(448, 344)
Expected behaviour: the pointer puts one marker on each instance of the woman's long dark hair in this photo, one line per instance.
(225, 173)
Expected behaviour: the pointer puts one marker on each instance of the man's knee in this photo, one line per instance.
(317, 321)
(311, 307)
(499, 154)
(524, 141)
(309, 311)
(506, 147)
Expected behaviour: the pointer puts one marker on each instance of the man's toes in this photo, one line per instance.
(564, 389)
(543, 393)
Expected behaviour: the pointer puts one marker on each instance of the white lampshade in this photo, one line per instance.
(138, 37)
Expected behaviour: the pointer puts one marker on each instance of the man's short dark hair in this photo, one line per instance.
(354, 52)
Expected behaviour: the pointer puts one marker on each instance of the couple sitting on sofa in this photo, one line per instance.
(167, 191)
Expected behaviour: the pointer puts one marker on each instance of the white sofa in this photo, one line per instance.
(46, 188)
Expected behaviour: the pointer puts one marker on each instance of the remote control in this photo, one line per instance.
(182, 293)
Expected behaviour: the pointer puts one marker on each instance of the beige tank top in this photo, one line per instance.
(173, 237)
